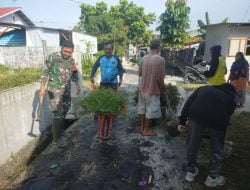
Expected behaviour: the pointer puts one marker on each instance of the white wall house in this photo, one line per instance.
(233, 37)
(16, 29)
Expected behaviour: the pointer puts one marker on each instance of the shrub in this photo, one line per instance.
(87, 62)
(173, 96)
(12, 77)
(106, 101)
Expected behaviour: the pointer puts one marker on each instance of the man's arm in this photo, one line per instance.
(94, 69)
(75, 78)
(213, 67)
(161, 76)
(45, 74)
(140, 70)
(184, 113)
(120, 70)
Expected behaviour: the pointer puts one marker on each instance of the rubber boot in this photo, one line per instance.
(57, 131)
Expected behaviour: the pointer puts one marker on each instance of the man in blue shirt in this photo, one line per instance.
(111, 68)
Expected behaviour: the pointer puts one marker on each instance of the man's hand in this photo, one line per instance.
(42, 91)
(78, 89)
(182, 128)
(92, 80)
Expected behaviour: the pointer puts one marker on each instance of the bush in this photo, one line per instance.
(12, 77)
(105, 101)
(87, 62)
(99, 53)
(173, 96)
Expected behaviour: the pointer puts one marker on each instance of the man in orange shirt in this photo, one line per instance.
(152, 73)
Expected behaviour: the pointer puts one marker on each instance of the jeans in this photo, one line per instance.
(194, 141)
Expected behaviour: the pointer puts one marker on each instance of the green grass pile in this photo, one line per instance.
(105, 101)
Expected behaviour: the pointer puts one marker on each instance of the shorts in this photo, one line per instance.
(149, 105)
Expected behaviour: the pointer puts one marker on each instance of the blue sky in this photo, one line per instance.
(65, 13)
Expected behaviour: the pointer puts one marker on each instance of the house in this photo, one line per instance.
(14, 15)
(16, 29)
(233, 37)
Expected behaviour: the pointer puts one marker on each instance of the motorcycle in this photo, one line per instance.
(195, 74)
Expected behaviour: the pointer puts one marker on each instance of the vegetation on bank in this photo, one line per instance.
(13, 77)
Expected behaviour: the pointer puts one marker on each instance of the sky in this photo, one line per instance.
(65, 13)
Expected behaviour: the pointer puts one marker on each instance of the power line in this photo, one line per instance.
(245, 15)
(79, 2)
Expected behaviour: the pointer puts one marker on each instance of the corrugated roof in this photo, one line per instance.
(231, 24)
(8, 10)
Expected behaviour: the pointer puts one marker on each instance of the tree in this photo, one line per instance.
(174, 23)
(135, 20)
(123, 24)
(201, 24)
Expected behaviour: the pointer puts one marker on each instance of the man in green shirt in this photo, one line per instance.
(59, 70)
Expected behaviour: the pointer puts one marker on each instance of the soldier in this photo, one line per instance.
(60, 70)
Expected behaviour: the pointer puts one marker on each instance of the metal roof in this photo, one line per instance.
(8, 10)
(229, 24)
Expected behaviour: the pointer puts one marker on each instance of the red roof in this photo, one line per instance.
(6, 10)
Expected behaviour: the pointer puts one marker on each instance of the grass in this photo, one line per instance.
(12, 77)
(236, 168)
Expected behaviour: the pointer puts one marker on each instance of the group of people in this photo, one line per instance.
(209, 107)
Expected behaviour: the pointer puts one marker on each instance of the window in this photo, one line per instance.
(248, 47)
(236, 45)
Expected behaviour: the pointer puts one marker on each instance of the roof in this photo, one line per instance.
(8, 10)
(18, 26)
(229, 24)
(5, 11)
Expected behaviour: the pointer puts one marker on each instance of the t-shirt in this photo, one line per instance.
(219, 77)
(152, 72)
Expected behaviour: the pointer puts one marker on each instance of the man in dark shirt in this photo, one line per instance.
(208, 107)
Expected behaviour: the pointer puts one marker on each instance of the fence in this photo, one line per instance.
(30, 56)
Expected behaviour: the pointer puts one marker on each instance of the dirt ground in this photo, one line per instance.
(128, 158)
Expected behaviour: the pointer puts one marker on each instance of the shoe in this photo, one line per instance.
(215, 182)
(190, 176)
(61, 142)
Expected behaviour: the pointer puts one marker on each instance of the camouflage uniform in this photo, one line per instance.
(60, 72)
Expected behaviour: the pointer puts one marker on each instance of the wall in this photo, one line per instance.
(34, 37)
(17, 113)
(81, 39)
(216, 35)
(16, 20)
(220, 35)
(238, 32)
(30, 56)
(23, 56)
